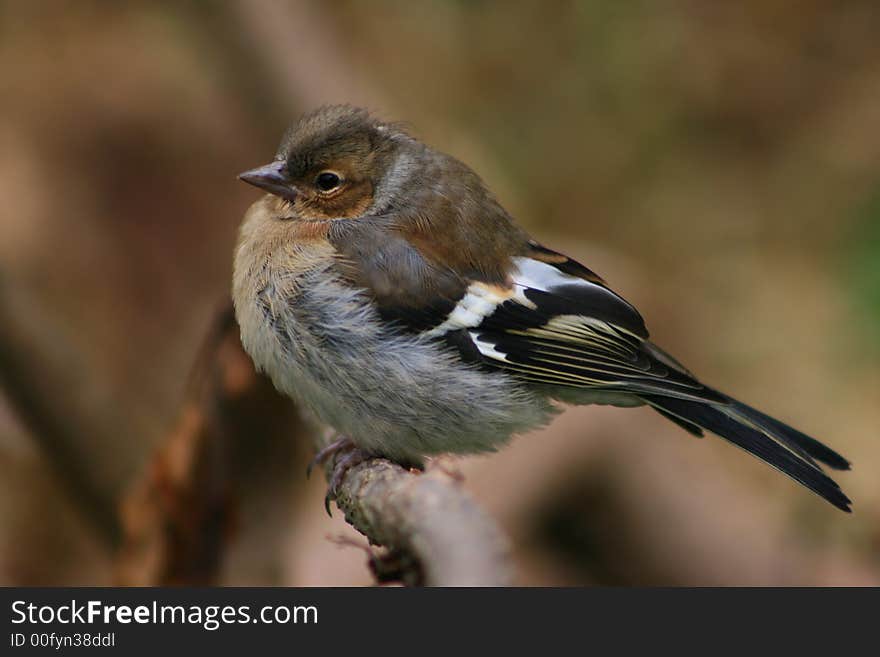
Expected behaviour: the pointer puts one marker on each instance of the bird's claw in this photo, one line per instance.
(340, 444)
(353, 457)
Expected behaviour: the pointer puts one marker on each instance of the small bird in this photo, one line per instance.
(381, 285)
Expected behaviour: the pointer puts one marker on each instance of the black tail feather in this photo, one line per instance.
(776, 443)
(792, 436)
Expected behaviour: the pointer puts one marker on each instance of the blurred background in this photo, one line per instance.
(718, 163)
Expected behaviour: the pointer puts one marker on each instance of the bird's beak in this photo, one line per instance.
(273, 178)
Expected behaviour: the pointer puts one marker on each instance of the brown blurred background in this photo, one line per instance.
(719, 165)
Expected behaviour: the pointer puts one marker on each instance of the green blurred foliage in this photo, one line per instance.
(862, 254)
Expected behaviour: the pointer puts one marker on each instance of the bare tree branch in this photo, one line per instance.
(428, 522)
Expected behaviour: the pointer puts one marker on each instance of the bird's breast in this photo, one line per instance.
(323, 343)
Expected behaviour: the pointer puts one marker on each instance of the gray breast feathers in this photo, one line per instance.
(393, 393)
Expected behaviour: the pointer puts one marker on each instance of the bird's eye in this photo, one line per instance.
(327, 181)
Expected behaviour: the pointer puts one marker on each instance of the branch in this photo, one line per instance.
(435, 534)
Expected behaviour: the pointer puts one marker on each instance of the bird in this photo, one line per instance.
(381, 285)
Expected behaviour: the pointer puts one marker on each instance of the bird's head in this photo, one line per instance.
(331, 164)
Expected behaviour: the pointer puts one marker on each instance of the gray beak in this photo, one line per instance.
(273, 178)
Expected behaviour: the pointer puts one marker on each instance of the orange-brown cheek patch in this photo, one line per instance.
(348, 204)
(360, 206)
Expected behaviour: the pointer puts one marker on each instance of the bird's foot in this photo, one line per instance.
(348, 455)
(352, 457)
(339, 445)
